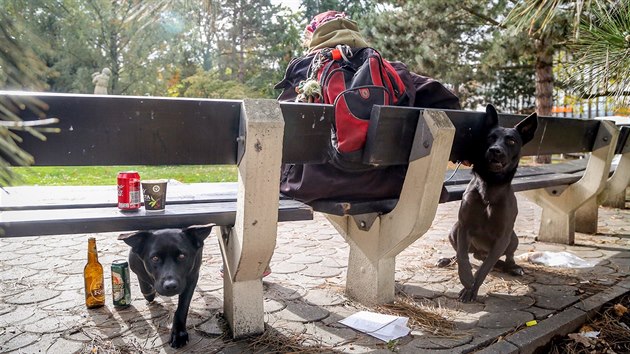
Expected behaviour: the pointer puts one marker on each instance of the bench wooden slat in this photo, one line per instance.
(463, 176)
(544, 181)
(358, 207)
(397, 133)
(70, 197)
(127, 130)
(623, 142)
(455, 192)
(74, 197)
(306, 132)
(90, 220)
(131, 130)
(578, 134)
(450, 193)
(390, 135)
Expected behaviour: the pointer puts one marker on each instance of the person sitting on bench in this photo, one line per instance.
(311, 182)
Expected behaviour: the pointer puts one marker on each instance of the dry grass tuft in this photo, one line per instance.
(430, 319)
(421, 316)
(101, 346)
(502, 286)
(274, 341)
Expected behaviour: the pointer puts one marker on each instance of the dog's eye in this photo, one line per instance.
(155, 259)
(181, 256)
(510, 142)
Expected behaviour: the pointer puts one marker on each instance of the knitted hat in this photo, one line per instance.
(331, 29)
(322, 18)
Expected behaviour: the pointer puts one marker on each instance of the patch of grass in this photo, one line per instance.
(106, 175)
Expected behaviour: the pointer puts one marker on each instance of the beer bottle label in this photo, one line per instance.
(97, 288)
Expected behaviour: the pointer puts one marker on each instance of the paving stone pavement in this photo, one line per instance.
(42, 303)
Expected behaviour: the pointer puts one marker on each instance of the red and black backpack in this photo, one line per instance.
(353, 80)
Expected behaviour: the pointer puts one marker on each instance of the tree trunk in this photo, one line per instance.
(544, 83)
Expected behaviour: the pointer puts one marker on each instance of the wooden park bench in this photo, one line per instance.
(258, 136)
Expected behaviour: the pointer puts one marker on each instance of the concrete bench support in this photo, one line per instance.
(616, 200)
(371, 265)
(248, 247)
(615, 190)
(557, 222)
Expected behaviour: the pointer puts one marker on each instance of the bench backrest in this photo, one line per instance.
(554, 134)
(623, 142)
(392, 142)
(121, 130)
(127, 130)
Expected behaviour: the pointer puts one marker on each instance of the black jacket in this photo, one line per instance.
(324, 181)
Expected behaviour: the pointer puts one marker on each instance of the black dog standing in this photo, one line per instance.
(167, 262)
(485, 224)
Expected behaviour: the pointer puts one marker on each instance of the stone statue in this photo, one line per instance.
(101, 80)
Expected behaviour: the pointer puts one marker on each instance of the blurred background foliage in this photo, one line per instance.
(484, 51)
(521, 55)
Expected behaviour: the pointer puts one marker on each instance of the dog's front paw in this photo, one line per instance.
(467, 295)
(515, 270)
(150, 296)
(178, 338)
(445, 262)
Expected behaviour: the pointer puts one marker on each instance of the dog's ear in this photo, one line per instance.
(198, 233)
(492, 117)
(135, 239)
(527, 127)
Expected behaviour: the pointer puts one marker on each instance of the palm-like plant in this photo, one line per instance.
(603, 51)
(539, 15)
(601, 41)
(19, 69)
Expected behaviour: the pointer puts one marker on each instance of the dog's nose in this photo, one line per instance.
(170, 284)
(495, 151)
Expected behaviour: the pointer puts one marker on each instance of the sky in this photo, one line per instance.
(293, 4)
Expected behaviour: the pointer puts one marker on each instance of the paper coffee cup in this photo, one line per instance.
(154, 192)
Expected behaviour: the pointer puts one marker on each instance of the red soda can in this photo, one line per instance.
(129, 194)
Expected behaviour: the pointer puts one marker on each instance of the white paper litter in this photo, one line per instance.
(555, 259)
(590, 334)
(383, 327)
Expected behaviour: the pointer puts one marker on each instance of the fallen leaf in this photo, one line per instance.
(578, 338)
(586, 328)
(620, 310)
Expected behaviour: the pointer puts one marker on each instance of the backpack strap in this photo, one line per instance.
(310, 89)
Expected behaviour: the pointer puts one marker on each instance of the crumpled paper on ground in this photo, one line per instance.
(555, 259)
(383, 327)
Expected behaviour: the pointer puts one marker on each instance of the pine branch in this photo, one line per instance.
(585, 95)
(20, 125)
(482, 16)
(516, 67)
